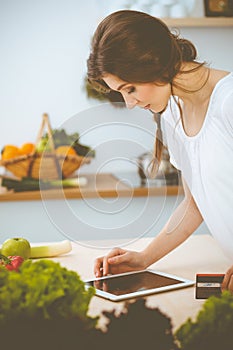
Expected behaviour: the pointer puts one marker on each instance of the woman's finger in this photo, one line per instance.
(118, 259)
(105, 266)
(111, 255)
(230, 284)
(228, 279)
(98, 267)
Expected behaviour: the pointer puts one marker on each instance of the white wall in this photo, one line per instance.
(44, 46)
(86, 220)
(43, 50)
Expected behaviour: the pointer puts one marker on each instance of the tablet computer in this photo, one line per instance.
(136, 284)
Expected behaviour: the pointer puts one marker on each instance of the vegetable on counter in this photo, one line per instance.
(69, 182)
(29, 184)
(136, 327)
(43, 290)
(11, 263)
(16, 246)
(213, 326)
(22, 247)
(50, 250)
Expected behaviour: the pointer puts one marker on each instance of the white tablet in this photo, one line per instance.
(136, 284)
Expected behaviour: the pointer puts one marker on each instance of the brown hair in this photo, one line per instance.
(137, 48)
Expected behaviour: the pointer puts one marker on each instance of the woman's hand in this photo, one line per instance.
(118, 261)
(227, 283)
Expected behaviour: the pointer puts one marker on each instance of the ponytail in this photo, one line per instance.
(158, 146)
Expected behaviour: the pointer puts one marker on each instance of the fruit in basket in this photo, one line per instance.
(16, 246)
(10, 151)
(62, 138)
(66, 151)
(27, 148)
(41, 161)
(43, 146)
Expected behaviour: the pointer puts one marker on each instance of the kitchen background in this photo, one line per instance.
(44, 47)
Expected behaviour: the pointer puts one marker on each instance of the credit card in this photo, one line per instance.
(208, 284)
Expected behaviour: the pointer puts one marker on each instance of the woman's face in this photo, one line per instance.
(146, 95)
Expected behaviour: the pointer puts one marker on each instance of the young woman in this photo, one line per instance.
(134, 56)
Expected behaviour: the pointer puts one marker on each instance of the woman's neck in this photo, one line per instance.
(195, 86)
(192, 85)
(194, 89)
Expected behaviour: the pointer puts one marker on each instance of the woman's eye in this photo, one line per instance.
(130, 90)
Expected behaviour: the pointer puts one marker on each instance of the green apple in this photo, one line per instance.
(16, 246)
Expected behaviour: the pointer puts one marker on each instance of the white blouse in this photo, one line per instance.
(206, 160)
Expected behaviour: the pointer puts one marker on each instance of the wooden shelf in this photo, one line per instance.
(98, 186)
(199, 22)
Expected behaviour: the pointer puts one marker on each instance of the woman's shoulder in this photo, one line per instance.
(222, 81)
(222, 100)
(222, 94)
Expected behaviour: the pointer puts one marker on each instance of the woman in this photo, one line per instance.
(134, 56)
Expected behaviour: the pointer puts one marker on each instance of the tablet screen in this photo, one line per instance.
(136, 284)
(131, 283)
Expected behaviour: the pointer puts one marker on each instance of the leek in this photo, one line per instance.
(50, 250)
(70, 182)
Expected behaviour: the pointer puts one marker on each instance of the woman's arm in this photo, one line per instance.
(180, 226)
(183, 222)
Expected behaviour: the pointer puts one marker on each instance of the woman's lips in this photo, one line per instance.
(147, 107)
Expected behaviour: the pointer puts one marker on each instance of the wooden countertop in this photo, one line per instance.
(98, 185)
(184, 261)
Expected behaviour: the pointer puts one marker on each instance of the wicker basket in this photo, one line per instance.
(46, 165)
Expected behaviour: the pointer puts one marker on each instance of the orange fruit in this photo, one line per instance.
(66, 150)
(27, 148)
(10, 151)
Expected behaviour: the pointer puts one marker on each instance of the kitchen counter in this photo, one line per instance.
(184, 261)
(102, 185)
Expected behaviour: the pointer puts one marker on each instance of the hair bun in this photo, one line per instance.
(188, 50)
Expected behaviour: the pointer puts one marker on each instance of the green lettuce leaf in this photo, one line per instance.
(45, 290)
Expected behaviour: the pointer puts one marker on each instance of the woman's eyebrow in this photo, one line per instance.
(121, 86)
